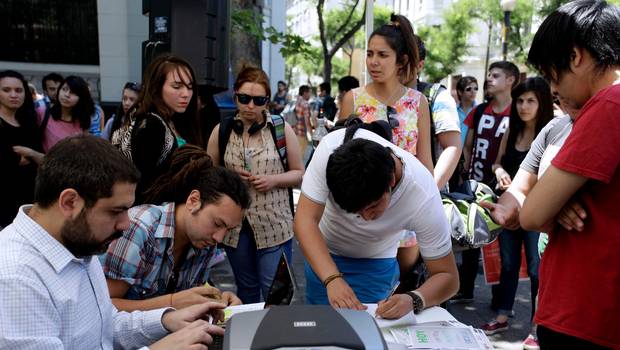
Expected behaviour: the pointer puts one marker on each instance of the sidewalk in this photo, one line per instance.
(474, 314)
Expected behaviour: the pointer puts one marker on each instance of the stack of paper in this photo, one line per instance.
(434, 328)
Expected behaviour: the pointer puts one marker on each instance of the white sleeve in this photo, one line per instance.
(314, 184)
(431, 227)
(445, 115)
(138, 328)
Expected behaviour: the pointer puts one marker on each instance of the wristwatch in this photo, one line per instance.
(418, 304)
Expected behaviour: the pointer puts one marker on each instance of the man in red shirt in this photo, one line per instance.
(486, 128)
(577, 48)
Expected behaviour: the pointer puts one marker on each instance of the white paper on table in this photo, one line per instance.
(237, 309)
(444, 338)
(434, 314)
(408, 320)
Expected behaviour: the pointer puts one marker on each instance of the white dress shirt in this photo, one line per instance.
(49, 299)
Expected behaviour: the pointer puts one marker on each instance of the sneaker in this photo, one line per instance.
(494, 327)
(531, 343)
(461, 298)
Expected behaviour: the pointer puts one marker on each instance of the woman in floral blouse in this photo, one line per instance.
(392, 55)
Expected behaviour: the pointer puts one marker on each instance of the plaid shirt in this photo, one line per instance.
(302, 110)
(140, 258)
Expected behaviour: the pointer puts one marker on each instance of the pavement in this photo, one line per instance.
(474, 314)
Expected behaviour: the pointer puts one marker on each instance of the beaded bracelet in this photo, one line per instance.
(332, 277)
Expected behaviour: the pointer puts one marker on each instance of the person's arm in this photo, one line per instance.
(197, 295)
(287, 179)
(29, 153)
(468, 148)
(548, 197)
(423, 147)
(506, 211)
(213, 147)
(315, 250)
(346, 106)
(442, 284)
(450, 142)
(502, 176)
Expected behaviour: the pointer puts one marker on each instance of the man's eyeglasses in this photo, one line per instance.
(469, 88)
(258, 100)
(391, 117)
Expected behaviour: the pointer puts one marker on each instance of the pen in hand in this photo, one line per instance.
(391, 293)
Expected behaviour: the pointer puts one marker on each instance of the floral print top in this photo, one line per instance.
(369, 109)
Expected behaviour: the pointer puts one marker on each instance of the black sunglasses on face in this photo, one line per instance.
(469, 88)
(391, 117)
(258, 100)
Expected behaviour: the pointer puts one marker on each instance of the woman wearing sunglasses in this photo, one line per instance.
(254, 249)
(466, 90)
(163, 118)
(392, 57)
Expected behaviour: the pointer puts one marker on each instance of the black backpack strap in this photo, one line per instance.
(479, 112)
(46, 119)
(226, 124)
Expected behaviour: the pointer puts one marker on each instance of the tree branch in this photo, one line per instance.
(347, 21)
(347, 35)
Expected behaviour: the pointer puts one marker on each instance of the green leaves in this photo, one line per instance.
(249, 21)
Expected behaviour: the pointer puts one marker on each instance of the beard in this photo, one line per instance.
(77, 237)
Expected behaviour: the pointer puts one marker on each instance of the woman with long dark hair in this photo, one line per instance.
(532, 109)
(164, 117)
(72, 113)
(128, 98)
(20, 144)
(392, 57)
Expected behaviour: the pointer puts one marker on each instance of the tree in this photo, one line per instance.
(248, 32)
(447, 44)
(348, 25)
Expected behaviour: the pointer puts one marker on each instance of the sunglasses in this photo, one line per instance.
(469, 88)
(258, 100)
(391, 117)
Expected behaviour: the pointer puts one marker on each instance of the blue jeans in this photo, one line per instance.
(254, 269)
(510, 243)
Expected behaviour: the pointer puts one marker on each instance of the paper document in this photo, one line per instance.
(408, 320)
(237, 309)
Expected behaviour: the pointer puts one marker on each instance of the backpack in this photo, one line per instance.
(279, 139)
(471, 225)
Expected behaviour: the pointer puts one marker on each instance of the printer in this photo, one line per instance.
(303, 327)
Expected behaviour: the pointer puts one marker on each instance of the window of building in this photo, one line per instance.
(49, 31)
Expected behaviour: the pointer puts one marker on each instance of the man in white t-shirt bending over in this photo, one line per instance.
(356, 199)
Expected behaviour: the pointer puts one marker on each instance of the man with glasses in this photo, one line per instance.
(356, 199)
(466, 91)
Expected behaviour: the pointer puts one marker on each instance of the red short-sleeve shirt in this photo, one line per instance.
(580, 271)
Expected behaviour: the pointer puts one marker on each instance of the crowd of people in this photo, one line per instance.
(111, 227)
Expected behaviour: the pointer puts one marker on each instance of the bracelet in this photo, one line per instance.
(332, 277)
(171, 294)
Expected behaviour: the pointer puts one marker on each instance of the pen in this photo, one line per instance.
(393, 290)
(391, 293)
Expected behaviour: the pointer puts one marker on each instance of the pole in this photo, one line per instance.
(505, 30)
(369, 28)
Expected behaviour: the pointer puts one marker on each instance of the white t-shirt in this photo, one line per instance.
(415, 205)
